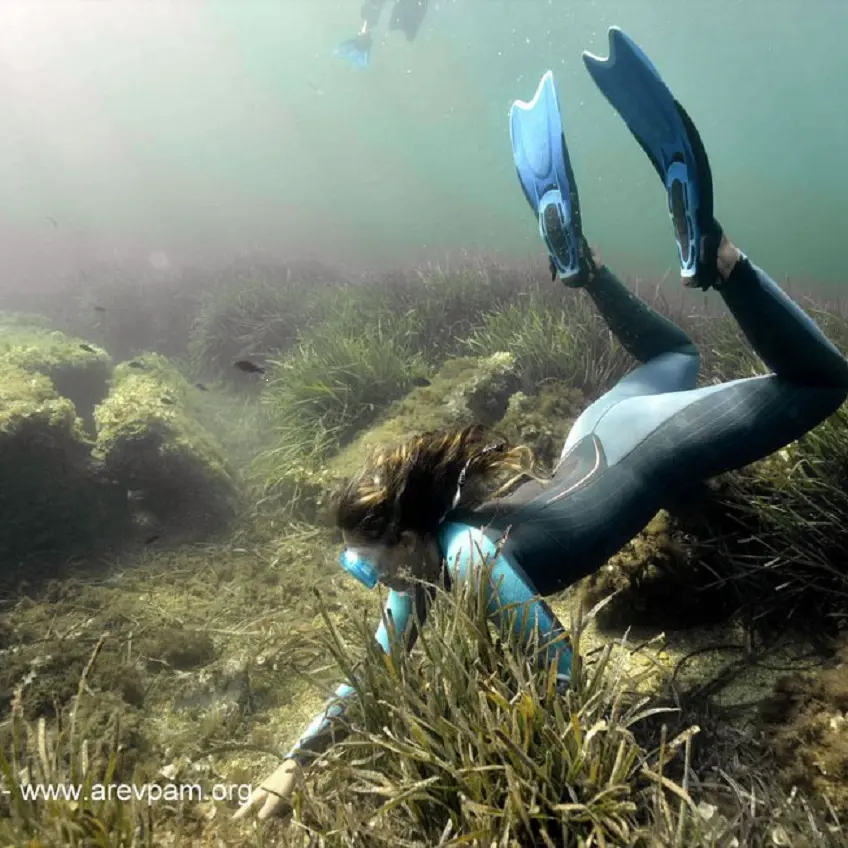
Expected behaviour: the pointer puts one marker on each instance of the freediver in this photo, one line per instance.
(407, 17)
(420, 511)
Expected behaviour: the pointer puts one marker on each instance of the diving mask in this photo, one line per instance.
(356, 562)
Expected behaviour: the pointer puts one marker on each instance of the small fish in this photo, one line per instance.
(99, 308)
(248, 367)
(53, 222)
(202, 387)
(168, 401)
(421, 382)
(88, 348)
(151, 539)
(136, 363)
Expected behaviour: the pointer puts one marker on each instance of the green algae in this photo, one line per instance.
(463, 391)
(542, 421)
(78, 370)
(149, 441)
(806, 721)
(50, 498)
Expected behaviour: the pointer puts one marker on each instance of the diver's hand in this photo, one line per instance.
(272, 792)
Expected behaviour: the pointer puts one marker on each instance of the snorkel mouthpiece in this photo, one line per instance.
(359, 567)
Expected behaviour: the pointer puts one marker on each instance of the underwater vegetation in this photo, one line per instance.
(258, 310)
(79, 436)
(466, 741)
(148, 440)
(200, 658)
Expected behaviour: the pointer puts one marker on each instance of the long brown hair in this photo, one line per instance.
(412, 486)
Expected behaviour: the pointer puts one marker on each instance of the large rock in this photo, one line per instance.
(50, 499)
(78, 370)
(148, 440)
(464, 391)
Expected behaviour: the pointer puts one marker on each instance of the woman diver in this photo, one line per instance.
(416, 509)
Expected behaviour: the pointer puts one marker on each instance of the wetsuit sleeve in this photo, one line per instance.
(400, 610)
(512, 598)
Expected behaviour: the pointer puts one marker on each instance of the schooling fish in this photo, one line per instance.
(248, 367)
(135, 363)
(202, 387)
(420, 382)
(99, 308)
(88, 348)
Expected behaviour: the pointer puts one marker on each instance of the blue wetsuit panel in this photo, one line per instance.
(510, 595)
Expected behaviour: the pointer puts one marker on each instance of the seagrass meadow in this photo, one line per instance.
(172, 611)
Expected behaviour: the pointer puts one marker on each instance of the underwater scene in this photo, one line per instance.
(423, 423)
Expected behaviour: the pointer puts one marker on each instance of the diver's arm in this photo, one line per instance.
(512, 594)
(400, 610)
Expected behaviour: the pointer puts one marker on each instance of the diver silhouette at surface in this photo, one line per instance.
(406, 17)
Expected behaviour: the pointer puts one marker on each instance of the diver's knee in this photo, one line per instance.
(840, 396)
(689, 349)
(689, 362)
(827, 401)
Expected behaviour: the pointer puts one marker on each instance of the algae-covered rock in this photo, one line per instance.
(542, 421)
(148, 440)
(806, 723)
(77, 369)
(49, 498)
(464, 391)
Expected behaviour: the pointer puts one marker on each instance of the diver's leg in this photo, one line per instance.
(670, 360)
(642, 332)
(649, 451)
(810, 381)
(407, 16)
(699, 434)
(370, 13)
(781, 333)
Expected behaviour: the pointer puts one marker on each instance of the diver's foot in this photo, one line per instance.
(727, 258)
(703, 273)
(589, 263)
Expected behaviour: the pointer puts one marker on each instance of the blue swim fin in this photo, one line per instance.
(357, 50)
(544, 169)
(635, 89)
